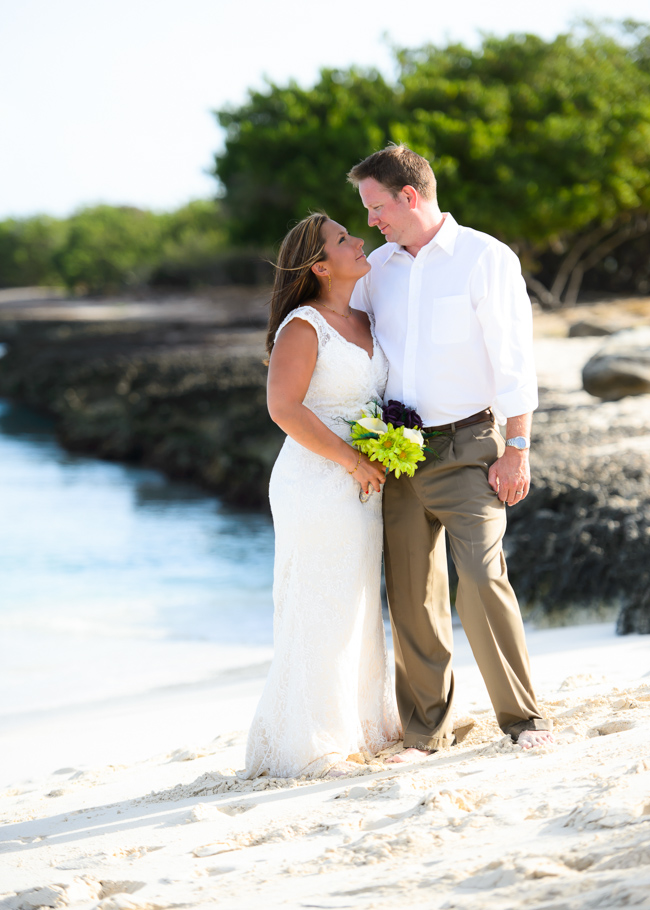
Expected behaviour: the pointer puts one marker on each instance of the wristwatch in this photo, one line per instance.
(518, 442)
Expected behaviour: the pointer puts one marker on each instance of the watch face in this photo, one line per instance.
(517, 442)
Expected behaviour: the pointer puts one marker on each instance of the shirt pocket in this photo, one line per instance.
(450, 322)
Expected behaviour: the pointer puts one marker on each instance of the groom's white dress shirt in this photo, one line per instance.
(455, 322)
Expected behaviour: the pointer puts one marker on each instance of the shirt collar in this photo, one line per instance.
(445, 238)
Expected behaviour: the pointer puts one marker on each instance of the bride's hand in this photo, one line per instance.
(370, 474)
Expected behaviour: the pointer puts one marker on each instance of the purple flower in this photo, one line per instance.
(400, 416)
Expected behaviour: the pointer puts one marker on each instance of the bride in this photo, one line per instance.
(328, 694)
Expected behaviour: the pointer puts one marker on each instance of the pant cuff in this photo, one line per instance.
(428, 743)
(533, 723)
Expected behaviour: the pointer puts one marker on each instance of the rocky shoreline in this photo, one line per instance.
(179, 385)
(579, 545)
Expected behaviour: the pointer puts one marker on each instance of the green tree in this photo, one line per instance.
(288, 149)
(27, 248)
(109, 248)
(545, 144)
(193, 239)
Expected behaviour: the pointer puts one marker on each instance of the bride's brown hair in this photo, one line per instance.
(295, 283)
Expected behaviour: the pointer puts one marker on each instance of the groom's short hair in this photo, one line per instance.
(395, 167)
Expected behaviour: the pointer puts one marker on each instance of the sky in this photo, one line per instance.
(112, 100)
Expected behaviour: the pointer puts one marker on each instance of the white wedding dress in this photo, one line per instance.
(329, 692)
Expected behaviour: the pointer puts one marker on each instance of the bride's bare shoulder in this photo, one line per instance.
(297, 330)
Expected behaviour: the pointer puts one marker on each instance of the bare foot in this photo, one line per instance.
(529, 739)
(408, 755)
(341, 768)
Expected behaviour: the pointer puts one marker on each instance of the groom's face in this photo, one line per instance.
(391, 214)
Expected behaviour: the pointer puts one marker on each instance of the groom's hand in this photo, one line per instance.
(509, 476)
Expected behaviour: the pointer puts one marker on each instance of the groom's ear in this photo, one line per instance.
(411, 195)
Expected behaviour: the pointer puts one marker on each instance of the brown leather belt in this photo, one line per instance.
(465, 422)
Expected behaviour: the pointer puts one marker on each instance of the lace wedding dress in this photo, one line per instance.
(329, 692)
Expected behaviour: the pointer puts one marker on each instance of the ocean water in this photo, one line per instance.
(115, 580)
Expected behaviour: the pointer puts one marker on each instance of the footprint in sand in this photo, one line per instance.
(111, 895)
(611, 726)
(213, 849)
(236, 808)
(582, 679)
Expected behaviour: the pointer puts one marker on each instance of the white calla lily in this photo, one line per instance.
(373, 424)
(414, 436)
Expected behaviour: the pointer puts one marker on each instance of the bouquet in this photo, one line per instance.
(391, 435)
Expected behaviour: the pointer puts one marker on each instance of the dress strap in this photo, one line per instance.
(372, 321)
(313, 317)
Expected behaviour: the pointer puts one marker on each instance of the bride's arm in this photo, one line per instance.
(291, 366)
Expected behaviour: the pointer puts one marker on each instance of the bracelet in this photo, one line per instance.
(357, 465)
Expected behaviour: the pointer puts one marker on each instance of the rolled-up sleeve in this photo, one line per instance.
(503, 308)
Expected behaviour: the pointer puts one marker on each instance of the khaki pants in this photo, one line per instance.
(451, 492)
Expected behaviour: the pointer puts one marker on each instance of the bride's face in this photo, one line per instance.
(345, 258)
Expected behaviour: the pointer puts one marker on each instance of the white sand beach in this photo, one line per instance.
(136, 803)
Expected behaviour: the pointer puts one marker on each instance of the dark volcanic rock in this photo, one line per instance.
(580, 541)
(583, 544)
(635, 614)
(187, 399)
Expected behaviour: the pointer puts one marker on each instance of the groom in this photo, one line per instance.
(454, 320)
